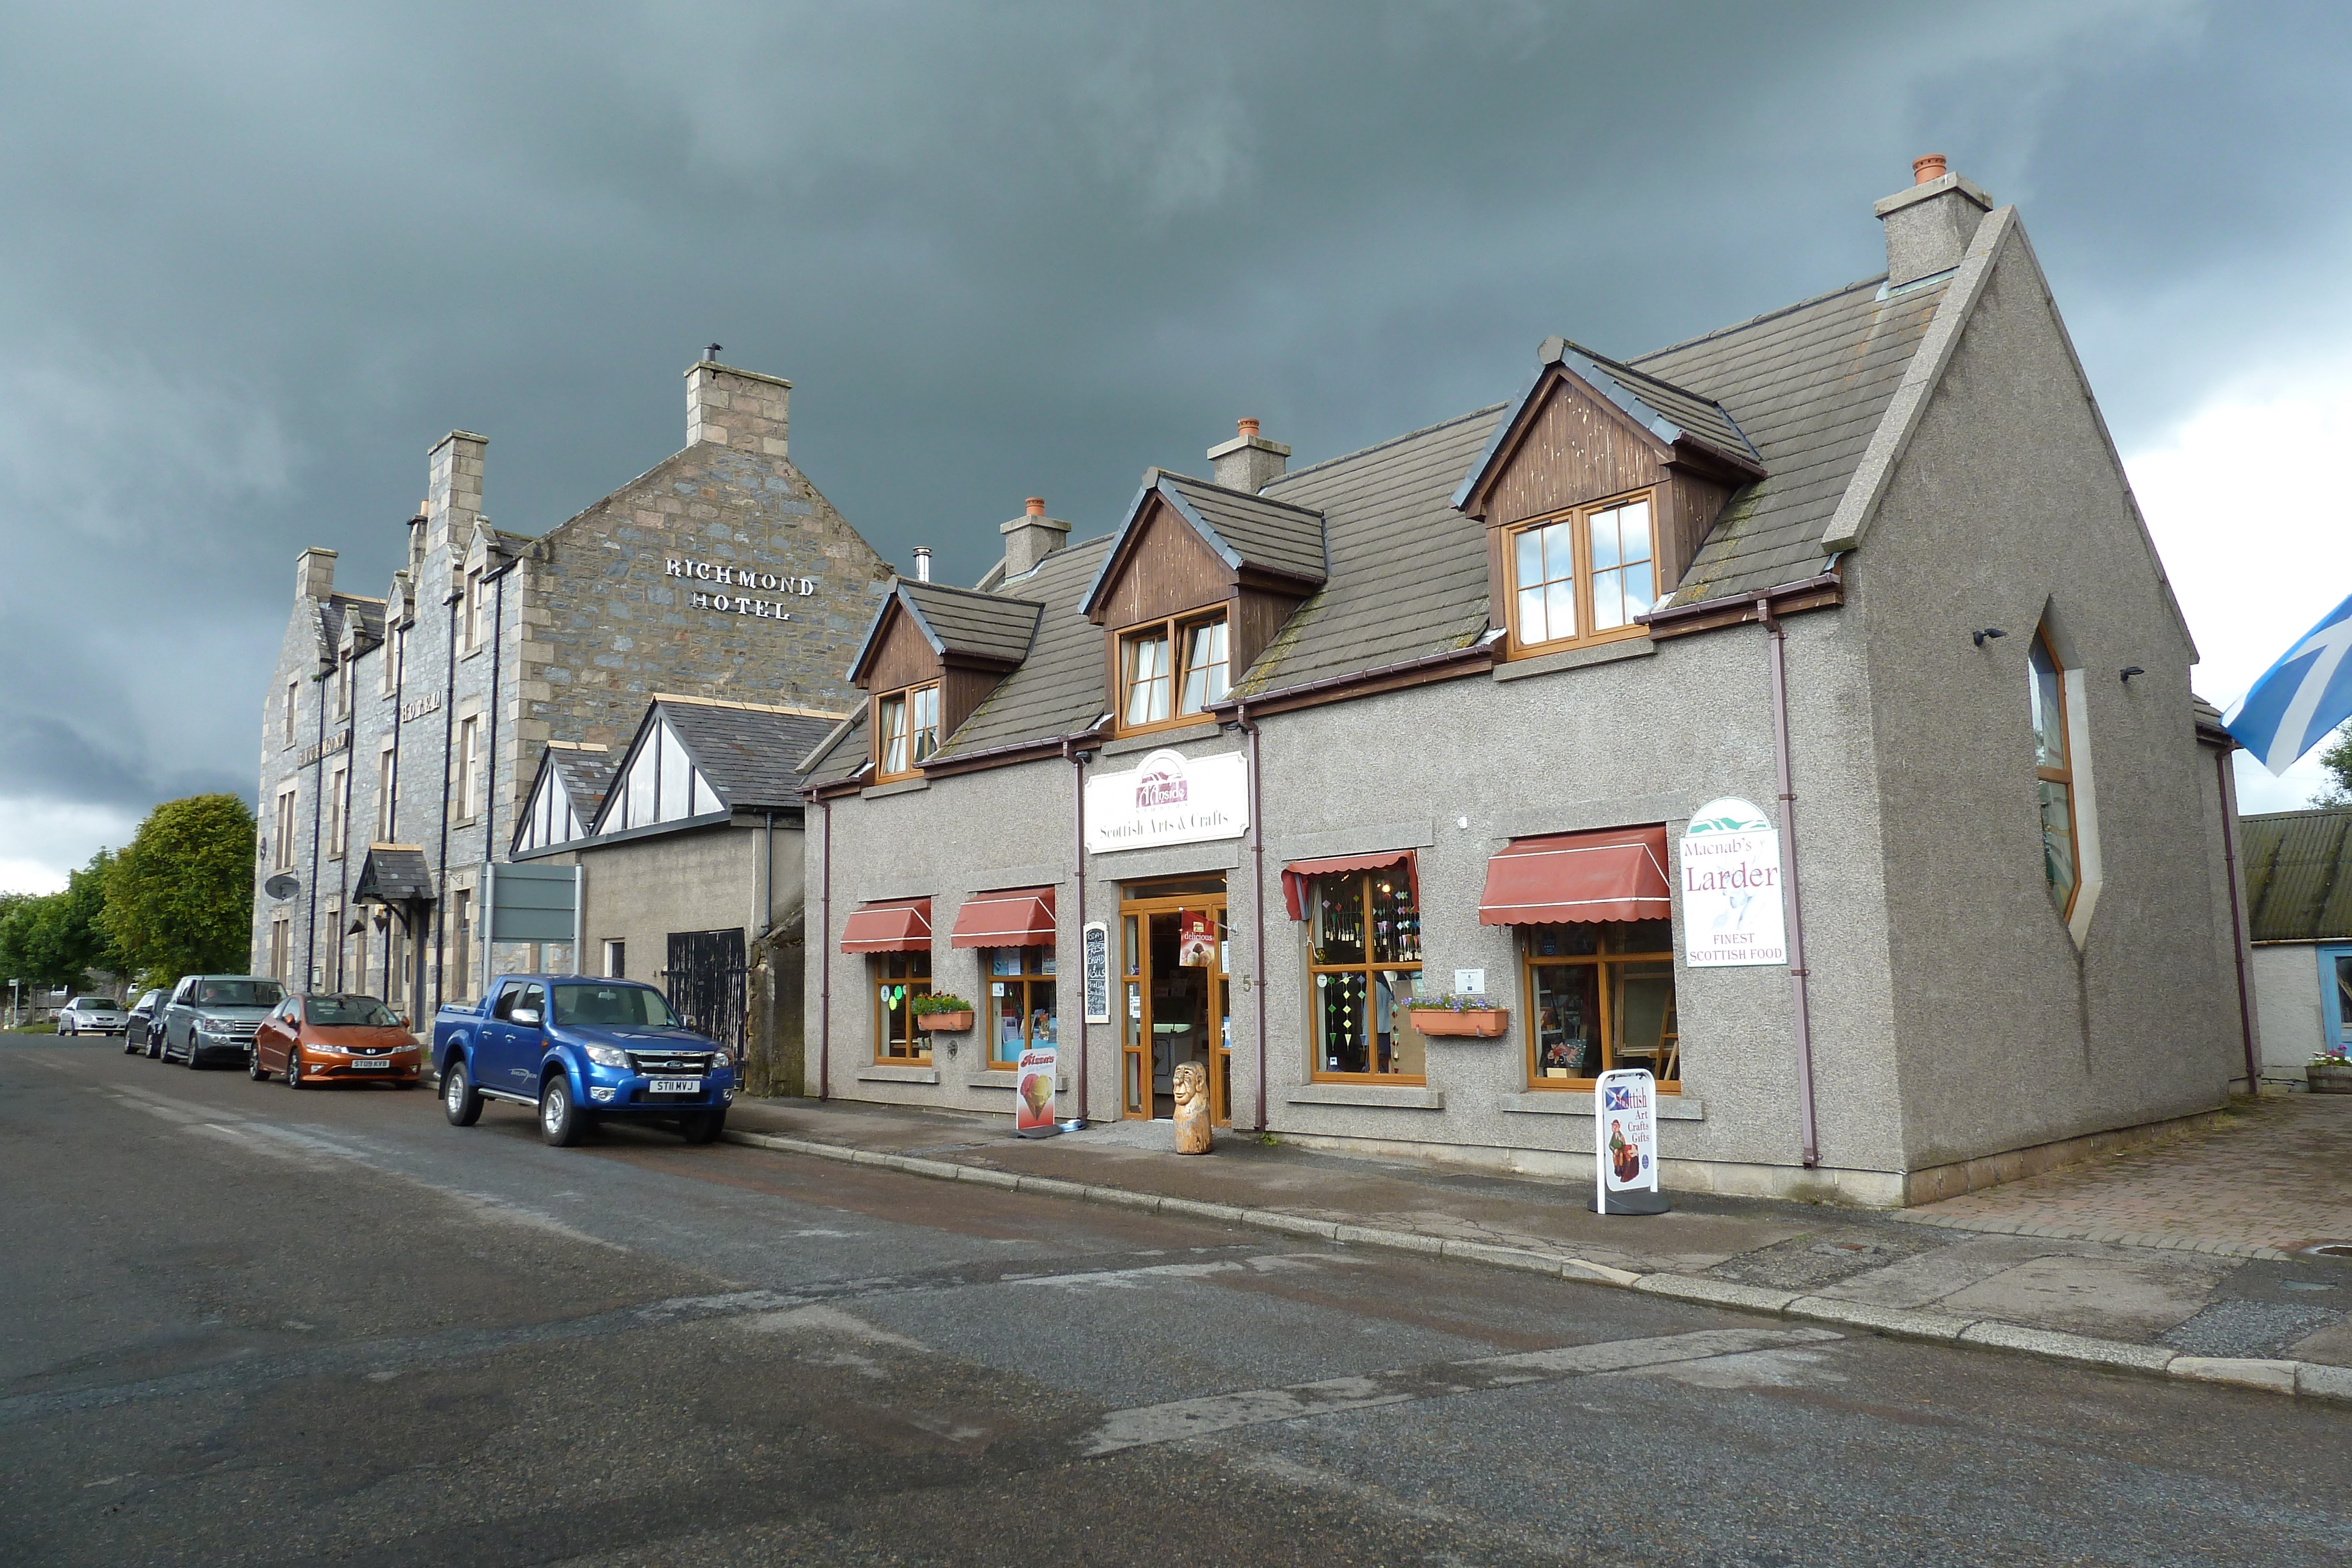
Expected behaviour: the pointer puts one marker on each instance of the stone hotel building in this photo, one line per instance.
(402, 733)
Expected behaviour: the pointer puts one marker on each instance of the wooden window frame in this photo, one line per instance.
(2064, 775)
(470, 759)
(905, 696)
(1025, 983)
(471, 612)
(287, 816)
(1176, 629)
(338, 816)
(1604, 960)
(919, 1044)
(1366, 967)
(387, 793)
(293, 706)
(1579, 519)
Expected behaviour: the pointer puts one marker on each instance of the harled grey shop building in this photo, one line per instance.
(414, 744)
(1435, 716)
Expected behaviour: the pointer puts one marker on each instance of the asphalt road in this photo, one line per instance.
(245, 1325)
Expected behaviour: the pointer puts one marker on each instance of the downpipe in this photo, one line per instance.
(2226, 797)
(1798, 976)
(1258, 900)
(824, 963)
(1079, 864)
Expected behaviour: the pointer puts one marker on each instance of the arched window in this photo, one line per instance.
(2054, 771)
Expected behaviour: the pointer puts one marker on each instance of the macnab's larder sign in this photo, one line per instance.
(1169, 800)
(725, 575)
(1732, 915)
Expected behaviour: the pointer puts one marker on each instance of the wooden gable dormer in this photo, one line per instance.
(1191, 550)
(955, 641)
(1591, 433)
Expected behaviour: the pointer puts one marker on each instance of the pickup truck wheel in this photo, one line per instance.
(561, 1121)
(458, 1100)
(702, 1126)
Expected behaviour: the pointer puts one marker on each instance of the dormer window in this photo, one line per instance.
(906, 730)
(1582, 576)
(1180, 660)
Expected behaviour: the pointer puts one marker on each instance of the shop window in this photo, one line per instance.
(1020, 1002)
(898, 980)
(1599, 995)
(1172, 670)
(1582, 577)
(2055, 773)
(1363, 951)
(905, 731)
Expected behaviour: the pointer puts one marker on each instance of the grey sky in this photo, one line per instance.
(255, 260)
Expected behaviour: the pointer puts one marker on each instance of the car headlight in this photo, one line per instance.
(212, 1029)
(608, 1056)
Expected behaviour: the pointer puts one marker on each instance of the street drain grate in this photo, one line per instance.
(2328, 1249)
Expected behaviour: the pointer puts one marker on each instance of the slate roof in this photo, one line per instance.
(394, 873)
(1254, 529)
(2299, 885)
(1798, 391)
(1408, 571)
(1058, 690)
(842, 754)
(1808, 386)
(751, 756)
(962, 621)
(587, 778)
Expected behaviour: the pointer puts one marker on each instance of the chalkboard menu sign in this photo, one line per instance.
(1096, 939)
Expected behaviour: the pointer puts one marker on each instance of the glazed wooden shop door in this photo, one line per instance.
(1173, 947)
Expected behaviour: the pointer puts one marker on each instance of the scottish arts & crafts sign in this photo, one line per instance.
(1625, 1143)
(1170, 798)
(1730, 858)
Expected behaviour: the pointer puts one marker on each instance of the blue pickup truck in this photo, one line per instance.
(577, 1050)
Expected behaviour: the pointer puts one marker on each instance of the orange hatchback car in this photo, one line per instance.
(338, 1038)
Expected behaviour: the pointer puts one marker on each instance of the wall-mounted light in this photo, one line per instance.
(1978, 637)
(2131, 670)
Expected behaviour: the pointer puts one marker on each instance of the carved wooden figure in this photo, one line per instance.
(1192, 1086)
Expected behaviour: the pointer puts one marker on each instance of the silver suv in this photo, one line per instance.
(91, 1015)
(216, 1015)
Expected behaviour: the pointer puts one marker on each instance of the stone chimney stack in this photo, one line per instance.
(453, 499)
(314, 572)
(1248, 462)
(742, 409)
(1930, 226)
(1030, 538)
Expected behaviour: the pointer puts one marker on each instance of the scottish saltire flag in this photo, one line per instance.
(1617, 1100)
(2301, 698)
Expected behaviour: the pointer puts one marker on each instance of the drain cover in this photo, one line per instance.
(2329, 1249)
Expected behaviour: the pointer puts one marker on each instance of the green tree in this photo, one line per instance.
(179, 897)
(2337, 760)
(57, 938)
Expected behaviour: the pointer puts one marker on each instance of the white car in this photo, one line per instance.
(92, 1015)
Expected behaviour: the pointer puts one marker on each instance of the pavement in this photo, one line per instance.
(250, 1326)
(2193, 1257)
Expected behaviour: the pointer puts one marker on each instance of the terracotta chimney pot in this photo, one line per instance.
(1248, 427)
(1930, 167)
(1036, 506)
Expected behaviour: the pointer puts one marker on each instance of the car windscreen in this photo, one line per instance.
(350, 1012)
(637, 1006)
(96, 1004)
(239, 994)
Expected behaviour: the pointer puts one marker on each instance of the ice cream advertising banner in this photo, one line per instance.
(1625, 1133)
(1033, 1103)
(1730, 858)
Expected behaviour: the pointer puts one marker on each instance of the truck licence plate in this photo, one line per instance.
(365, 1063)
(675, 1086)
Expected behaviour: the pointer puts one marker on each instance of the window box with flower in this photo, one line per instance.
(2330, 1072)
(1459, 1017)
(943, 1014)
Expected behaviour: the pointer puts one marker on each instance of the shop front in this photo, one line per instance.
(1409, 793)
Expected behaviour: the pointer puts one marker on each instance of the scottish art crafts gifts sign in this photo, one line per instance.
(1625, 1144)
(1168, 799)
(1732, 914)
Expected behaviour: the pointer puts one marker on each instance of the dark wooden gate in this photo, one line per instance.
(705, 983)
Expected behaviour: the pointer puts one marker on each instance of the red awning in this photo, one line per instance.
(1617, 874)
(893, 925)
(1295, 875)
(1015, 917)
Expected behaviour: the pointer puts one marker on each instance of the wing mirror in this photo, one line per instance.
(524, 1018)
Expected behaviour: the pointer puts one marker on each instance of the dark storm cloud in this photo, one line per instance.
(258, 259)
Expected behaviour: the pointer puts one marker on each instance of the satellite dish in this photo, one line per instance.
(281, 887)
